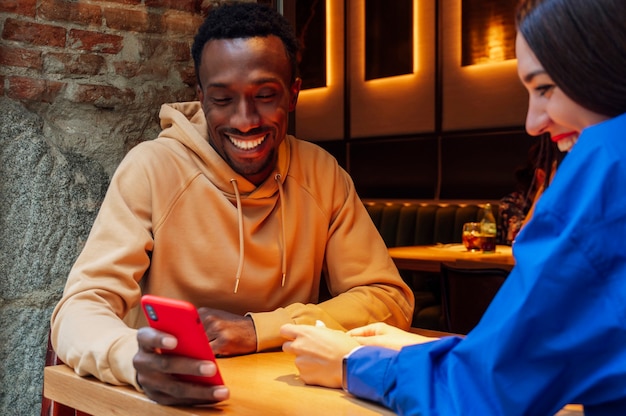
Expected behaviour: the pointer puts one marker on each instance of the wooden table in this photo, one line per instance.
(260, 384)
(429, 258)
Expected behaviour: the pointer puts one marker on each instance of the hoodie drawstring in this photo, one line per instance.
(240, 224)
(283, 250)
(282, 227)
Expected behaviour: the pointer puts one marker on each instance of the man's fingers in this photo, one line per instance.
(289, 331)
(150, 339)
(176, 392)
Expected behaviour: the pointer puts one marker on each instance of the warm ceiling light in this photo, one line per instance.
(487, 31)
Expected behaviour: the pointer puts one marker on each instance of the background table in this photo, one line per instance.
(428, 258)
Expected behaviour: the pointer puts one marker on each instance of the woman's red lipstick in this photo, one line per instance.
(562, 136)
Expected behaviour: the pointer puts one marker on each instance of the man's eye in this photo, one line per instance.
(266, 96)
(220, 100)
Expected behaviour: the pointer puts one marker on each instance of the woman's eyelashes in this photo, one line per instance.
(544, 89)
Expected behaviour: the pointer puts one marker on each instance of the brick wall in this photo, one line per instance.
(97, 71)
(97, 52)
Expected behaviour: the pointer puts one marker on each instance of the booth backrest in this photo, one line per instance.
(418, 222)
(409, 223)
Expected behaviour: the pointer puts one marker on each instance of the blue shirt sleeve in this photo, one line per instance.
(556, 331)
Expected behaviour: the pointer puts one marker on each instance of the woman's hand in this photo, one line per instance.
(319, 352)
(383, 335)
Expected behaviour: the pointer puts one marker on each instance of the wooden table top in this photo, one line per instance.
(261, 384)
(429, 258)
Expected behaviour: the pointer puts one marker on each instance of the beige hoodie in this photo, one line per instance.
(177, 221)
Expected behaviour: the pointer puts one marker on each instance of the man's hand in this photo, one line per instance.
(155, 372)
(228, 333)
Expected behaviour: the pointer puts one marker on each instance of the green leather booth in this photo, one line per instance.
(419, 222)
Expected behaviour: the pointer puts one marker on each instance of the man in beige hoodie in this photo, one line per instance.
(227, 211)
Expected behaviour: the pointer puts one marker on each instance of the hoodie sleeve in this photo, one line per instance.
(87, 327)
(362, 279)
(361, 276)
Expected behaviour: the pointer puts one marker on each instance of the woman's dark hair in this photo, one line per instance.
(245, 20)
(582, 46)
(549, 157)
(543, 154)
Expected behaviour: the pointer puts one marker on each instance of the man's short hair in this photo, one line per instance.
(245, 20)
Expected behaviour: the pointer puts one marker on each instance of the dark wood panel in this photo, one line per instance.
(336, 148)
(475, 165)
(481, 165)
(310, 26)
(394, 168)
(388, 38)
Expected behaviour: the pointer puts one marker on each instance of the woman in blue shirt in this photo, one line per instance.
(556, 331)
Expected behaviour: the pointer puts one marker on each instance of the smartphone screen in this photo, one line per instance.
(180, 319)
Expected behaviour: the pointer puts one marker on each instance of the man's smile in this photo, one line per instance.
(247, 143)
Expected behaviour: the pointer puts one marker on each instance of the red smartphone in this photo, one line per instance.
(180, 319)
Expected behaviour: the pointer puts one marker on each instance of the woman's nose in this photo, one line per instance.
(537, 120)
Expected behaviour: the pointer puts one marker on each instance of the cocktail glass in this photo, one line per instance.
(471, 236)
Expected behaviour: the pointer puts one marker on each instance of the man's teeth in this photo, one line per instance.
(246, 144)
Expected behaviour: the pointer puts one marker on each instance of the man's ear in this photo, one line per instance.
(294, 91)
(199, 93)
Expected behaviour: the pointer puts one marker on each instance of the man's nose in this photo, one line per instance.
(246, 116)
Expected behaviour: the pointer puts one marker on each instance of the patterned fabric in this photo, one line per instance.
(513, 210)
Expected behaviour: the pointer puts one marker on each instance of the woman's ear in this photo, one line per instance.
(540, 176)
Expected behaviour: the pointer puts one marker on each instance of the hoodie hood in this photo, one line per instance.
(185, 123)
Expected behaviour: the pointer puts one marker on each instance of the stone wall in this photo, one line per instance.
(97, 71)
(81, 82)
(48, 200)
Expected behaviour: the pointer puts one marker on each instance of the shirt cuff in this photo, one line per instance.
(344, 376)
(365, 370)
